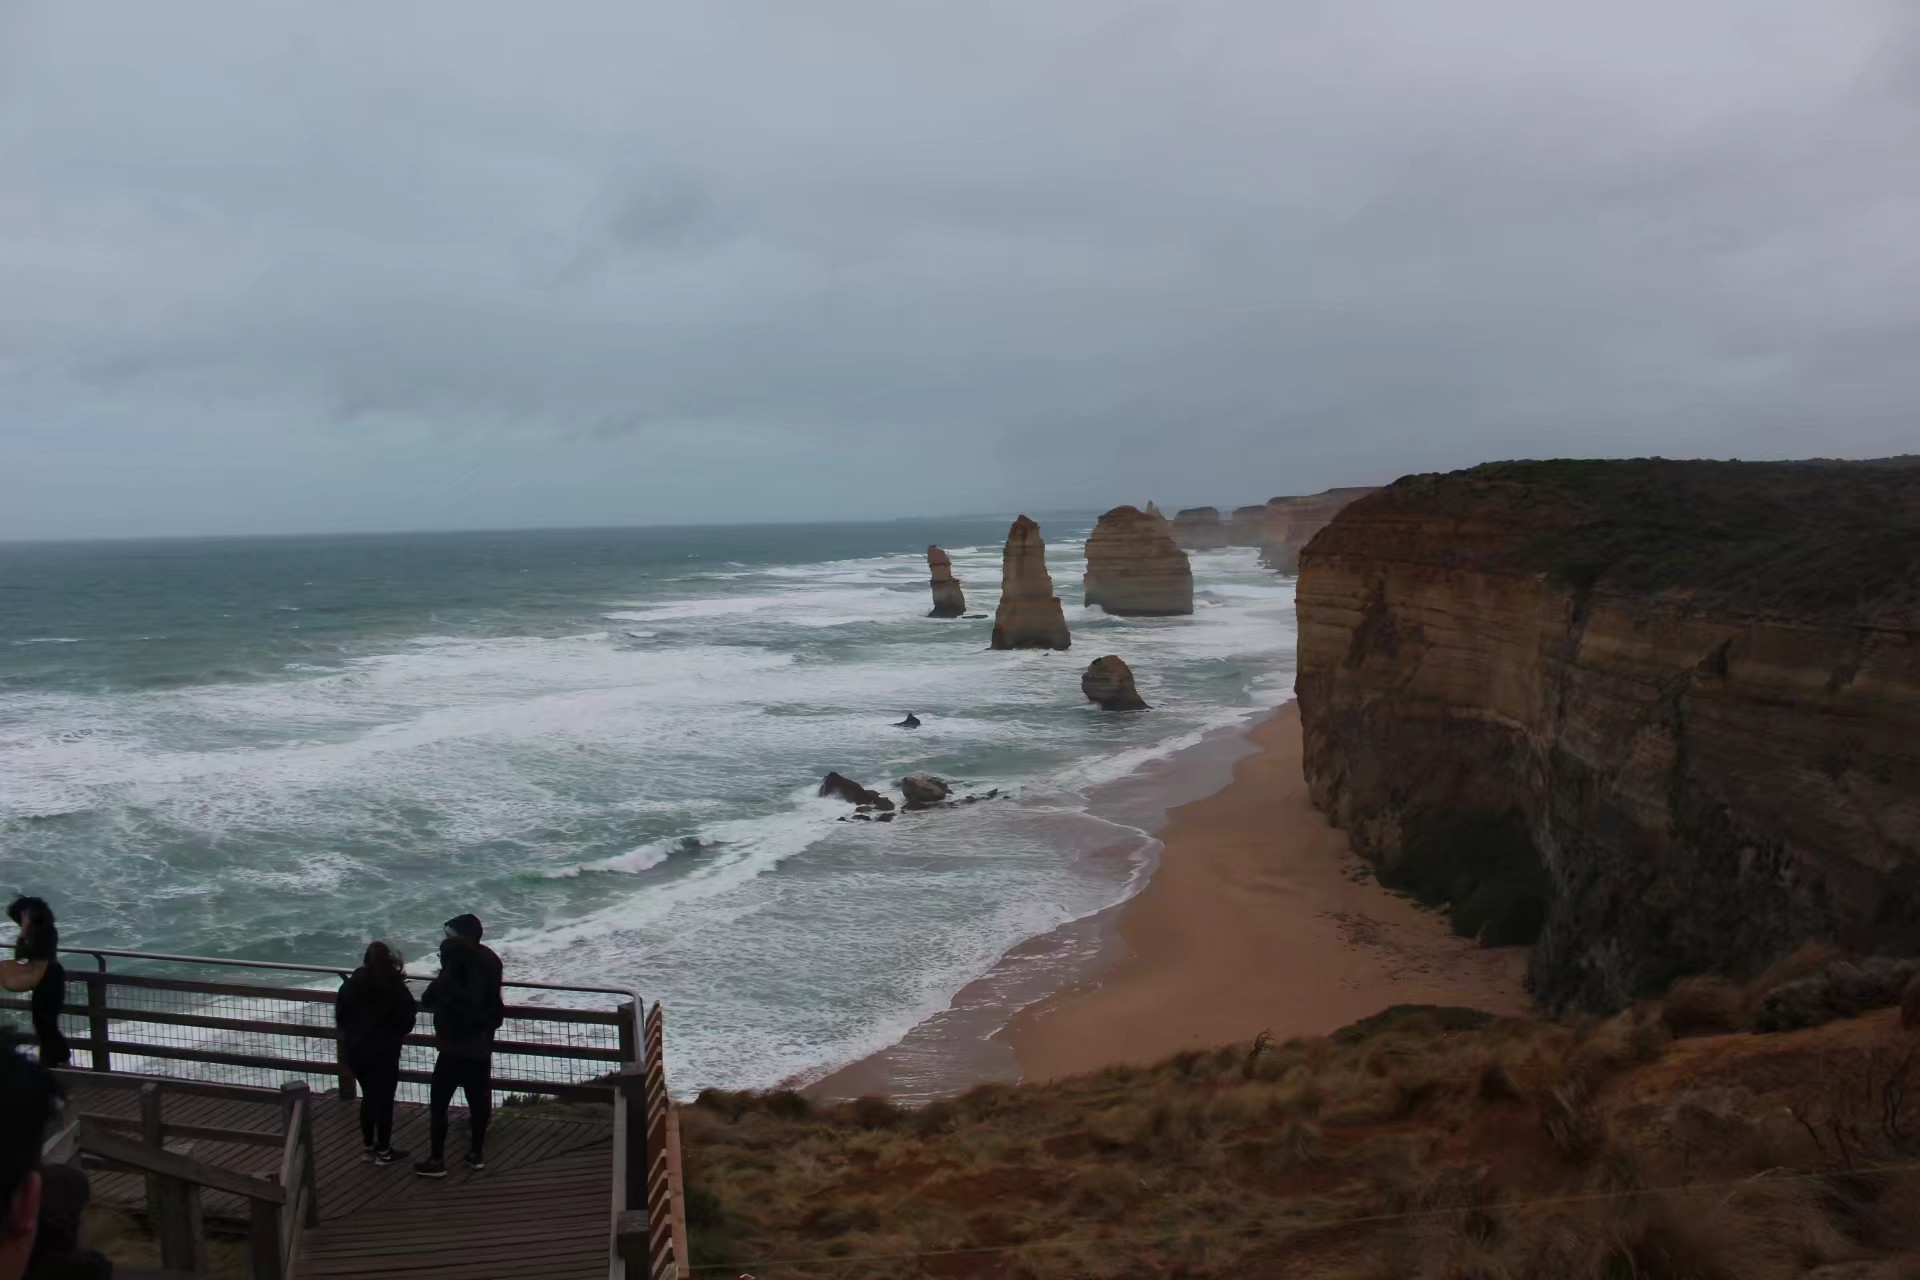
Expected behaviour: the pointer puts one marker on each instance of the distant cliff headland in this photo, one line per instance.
(1656, 717)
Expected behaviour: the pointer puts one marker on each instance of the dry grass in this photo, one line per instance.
(1290, 1161)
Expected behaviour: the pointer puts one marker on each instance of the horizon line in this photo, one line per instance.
(75, 539)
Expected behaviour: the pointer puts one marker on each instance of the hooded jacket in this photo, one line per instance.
(465, 999)
(41, 939)
(375, 1014)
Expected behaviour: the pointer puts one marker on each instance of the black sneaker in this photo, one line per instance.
(476, 1161)
(392, 1155)
(431, 1169)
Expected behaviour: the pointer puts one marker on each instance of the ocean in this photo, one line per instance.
(606, 743)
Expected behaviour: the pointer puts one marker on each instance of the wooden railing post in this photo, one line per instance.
(152, 1133)
(306, 1147)
(97, 1020)
(629, 1032)
(632, 1084)
(263, 1241)
(173, 1206)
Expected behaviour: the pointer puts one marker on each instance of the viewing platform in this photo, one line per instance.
(206, 1097)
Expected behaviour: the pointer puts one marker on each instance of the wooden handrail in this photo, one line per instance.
(596, 1090)
(191, 1132)
(62, 1145)
(105, 1016)
(138, 1156)
(188, 1088)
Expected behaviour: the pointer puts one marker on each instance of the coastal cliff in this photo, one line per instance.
(1657, 717)
(1290, 523)
(1247, 526)
(1134, 567)
(1199, 529)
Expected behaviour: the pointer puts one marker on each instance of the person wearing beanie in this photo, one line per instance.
(467, 1008)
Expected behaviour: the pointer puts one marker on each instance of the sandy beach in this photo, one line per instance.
(1258, 918)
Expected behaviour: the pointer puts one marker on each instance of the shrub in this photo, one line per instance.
(1497, 1084)
(875, 1113)
(787, 1104)
(1706, 1004)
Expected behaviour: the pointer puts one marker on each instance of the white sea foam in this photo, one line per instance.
(322, 874)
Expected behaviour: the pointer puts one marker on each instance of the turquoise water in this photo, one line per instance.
(603, 742)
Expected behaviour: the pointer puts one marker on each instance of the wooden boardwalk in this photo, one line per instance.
(540, 1208)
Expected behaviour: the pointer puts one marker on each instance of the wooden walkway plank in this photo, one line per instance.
(544, 1219)
(538, 1209)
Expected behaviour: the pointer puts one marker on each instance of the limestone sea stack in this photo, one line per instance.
(1134, 567)
(1658, 717)
(1289, 524)
(1247, 526)
(1030, 616)
(948, 600)
(1199, 529)
(1109, 683)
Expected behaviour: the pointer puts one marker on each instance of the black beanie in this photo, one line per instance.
(467, 926)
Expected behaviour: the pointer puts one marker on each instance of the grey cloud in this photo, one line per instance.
(640, 262)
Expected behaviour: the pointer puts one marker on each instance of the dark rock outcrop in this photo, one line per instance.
(1030, 616)
(1109, 682)
(1290, 523)
(838, 784)
(911, 722)
(1844, 989)
(1660, 715)
(1199, 529)
(1247, 526)
(948, 600)
(1134, 567)
(923, 790)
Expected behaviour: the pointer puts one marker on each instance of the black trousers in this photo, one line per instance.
(379, 1079)
(472, 1077)
(48, 999)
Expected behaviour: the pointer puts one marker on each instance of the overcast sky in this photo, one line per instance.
(274, 266)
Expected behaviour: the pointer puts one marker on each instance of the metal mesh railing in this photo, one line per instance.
(227, 1021)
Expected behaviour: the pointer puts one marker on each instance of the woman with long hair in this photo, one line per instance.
(375, 1013)
(39, 943)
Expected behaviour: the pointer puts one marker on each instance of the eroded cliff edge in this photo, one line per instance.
(1663, 715)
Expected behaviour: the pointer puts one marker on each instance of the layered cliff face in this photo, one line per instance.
(1030, 616)
(1663, 716)
(1288, 524)
(1134, 567)
(1199, 529)
(949, 601)
(1247, 526)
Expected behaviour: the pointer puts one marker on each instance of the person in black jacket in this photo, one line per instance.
(40, 1207)
(28, 1101)
(467, 1009)
(375, 1014)
(40, 940)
